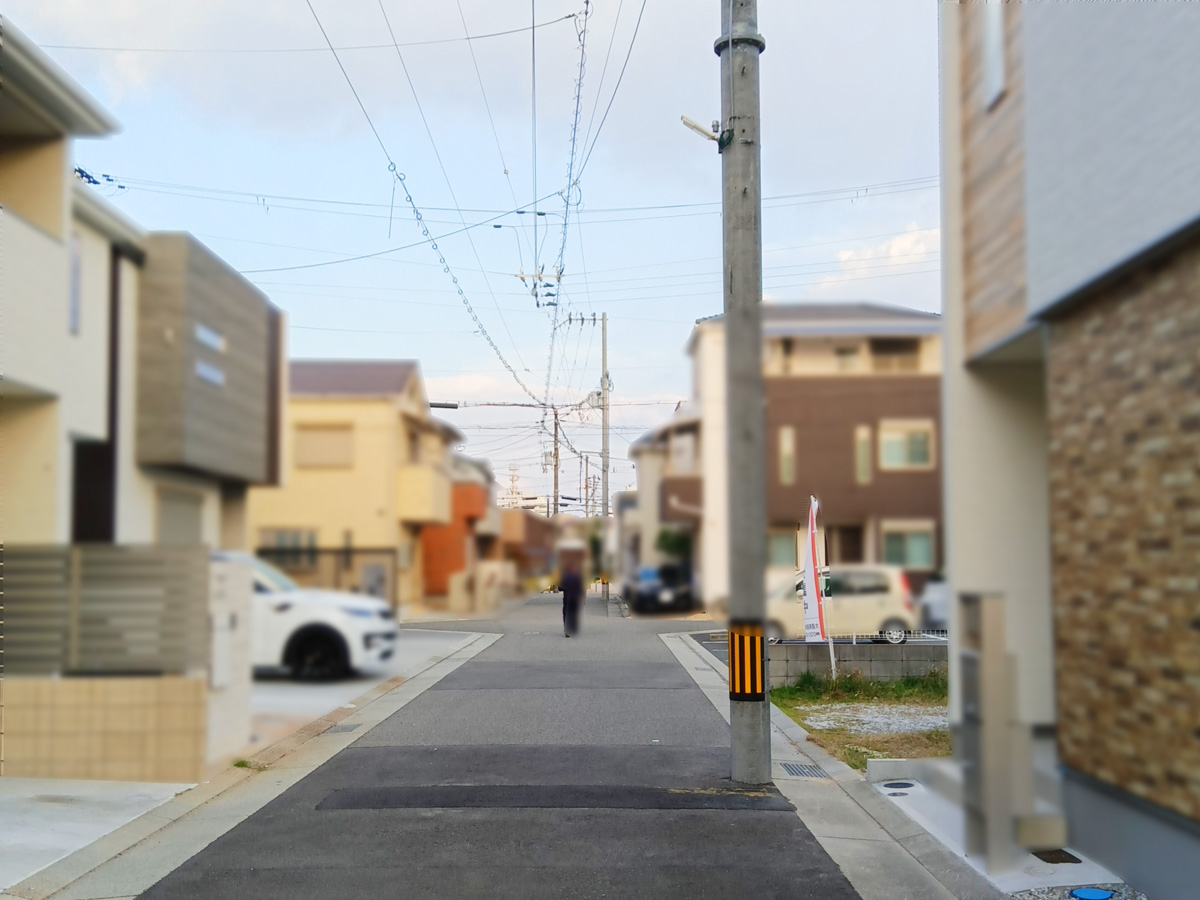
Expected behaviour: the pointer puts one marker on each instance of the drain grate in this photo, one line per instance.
(799, 770)
(340, 729)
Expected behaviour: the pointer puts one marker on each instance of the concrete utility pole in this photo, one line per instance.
(750, 720)
(604, 445)
(556, 460)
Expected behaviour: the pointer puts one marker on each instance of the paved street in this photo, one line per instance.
(589, 767)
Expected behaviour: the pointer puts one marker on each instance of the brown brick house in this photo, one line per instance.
(1071, 261)
(853, 415)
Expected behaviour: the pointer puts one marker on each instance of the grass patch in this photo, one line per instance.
(854, 749)
(932, 688)
(248, 764)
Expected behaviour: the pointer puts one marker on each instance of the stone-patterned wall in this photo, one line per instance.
(1123, 396)
(875, 662)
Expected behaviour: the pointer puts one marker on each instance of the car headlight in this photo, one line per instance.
(360, 613)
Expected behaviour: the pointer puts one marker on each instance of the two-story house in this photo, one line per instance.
(141, 400)
(852, 417)
(1071, 267)
(368, 469)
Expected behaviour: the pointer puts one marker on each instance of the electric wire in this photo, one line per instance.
(417, 212)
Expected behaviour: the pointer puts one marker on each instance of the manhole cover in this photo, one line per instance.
(799, 770)
(340, 729)
(897, 793)
(898, 785)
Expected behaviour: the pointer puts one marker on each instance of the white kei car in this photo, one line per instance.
(318, 634)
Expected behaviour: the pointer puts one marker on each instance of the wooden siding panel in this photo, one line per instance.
(993, 189)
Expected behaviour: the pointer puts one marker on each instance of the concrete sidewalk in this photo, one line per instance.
(527, 764)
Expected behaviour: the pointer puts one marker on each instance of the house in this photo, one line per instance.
(852, 418)
(368, 470)
(461, 556)
(142, 398)
(527, 540)
(1071, 267)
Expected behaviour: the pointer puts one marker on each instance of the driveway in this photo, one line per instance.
(280, 705)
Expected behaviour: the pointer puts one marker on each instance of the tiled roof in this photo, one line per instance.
(371, 377)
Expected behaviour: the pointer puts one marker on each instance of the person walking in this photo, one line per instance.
(572, 591)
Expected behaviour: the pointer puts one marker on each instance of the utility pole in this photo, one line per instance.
(604, 445)
(587, 487)
(750, 722)
(556, 460)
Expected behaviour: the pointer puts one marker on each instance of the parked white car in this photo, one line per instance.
(317, 634)
(873, 601)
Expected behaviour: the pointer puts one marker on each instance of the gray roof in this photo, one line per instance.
(835, 319)
(343, 377)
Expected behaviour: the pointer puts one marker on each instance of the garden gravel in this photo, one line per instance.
(875, 718)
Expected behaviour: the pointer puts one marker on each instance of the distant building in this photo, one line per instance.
(452, 551)
(1071, 261)
(367, 470)
(852, 417)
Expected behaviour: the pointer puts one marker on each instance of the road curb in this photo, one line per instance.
(952, 872)
(268, 763)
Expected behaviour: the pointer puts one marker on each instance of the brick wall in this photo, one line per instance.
(1123, 398)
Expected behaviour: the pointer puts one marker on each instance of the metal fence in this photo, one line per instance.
(105, 609)
(370, 571)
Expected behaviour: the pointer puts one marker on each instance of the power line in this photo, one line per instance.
(194, 50)
(572, 185)
(491, 121)
(616, 88)
(399, 176)
(450, 187)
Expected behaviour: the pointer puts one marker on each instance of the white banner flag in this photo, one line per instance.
(814, 604)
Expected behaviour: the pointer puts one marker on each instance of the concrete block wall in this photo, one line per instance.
(878, 662)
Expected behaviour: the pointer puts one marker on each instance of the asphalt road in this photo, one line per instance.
(543, 767)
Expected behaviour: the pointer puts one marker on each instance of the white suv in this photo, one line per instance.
(317, 634)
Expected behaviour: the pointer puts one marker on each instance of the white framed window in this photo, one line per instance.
(683, 452)
(862, 454)
(908, 543)
(906, 445)
(992, 38)
(787, 455)
(324, 446)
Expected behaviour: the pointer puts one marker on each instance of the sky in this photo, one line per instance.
(239, 125)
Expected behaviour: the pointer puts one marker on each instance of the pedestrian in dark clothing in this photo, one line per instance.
(572, 591)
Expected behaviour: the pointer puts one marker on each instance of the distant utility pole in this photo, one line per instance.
(587, 487)
(750, 721)
(604, 445)
(556, 460)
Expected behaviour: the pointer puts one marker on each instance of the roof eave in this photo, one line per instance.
(41, 84)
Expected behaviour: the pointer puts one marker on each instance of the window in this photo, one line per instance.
(210, 337)
(324, 446)
(992, 38)
(787, 455)
(906, 445)
(908, 544)
(847, 358)
(781, 550)
(683, 453)
(862, 454)
(73, 298)
(294, 548)
(895, 354)
(206, 371)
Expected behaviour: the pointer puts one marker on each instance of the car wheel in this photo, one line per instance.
(319, 657)
(894, 631)
(774, 632)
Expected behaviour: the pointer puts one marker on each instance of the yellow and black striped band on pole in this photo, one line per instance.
(746, 661)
